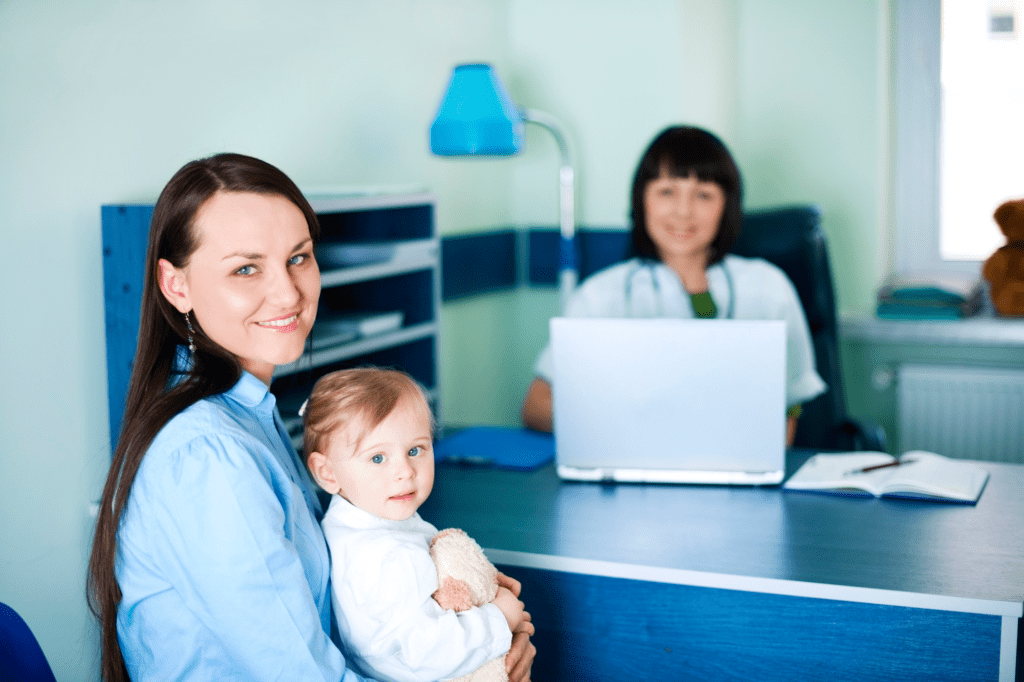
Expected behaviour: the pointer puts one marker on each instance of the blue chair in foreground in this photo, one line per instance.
(21, 658)
(791, 238)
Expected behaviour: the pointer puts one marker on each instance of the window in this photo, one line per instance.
(959, 140)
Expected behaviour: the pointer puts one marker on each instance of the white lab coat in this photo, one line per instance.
(758, 291)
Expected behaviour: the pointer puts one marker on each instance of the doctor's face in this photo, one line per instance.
(683, 215)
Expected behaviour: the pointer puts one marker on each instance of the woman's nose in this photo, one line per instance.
(284, 291)
(684, 204)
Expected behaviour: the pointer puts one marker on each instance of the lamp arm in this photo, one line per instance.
(567, 272)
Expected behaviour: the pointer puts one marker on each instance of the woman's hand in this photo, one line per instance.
(790, 431)
(510, 584)
(519, 659)
(537, 406)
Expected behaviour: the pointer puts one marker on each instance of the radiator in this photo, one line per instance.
(967, 412)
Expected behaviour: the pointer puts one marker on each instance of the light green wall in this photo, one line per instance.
(102, 100)
(798, 90)
(813, 126)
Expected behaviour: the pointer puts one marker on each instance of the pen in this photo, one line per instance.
(895, 463)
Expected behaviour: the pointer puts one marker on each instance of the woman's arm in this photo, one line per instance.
(538, 406)
(220, 574)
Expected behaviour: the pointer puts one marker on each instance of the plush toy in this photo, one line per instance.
(1004, 269)
(465, 579)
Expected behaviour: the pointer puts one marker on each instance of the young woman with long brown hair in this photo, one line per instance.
(208, 561)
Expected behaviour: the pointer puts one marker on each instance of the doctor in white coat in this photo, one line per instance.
(687, 213)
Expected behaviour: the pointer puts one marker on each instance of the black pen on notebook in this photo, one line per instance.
(894, 463)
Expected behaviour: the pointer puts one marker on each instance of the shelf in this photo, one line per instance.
(332, 203)
(422, 254)
(363, 346)
(972, 331)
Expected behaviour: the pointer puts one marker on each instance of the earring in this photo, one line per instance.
(191, 342)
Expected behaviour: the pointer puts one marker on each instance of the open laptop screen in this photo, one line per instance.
(669, 400)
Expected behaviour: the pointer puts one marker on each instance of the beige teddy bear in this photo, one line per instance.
(465, 579)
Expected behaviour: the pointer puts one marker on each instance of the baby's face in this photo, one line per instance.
(391, 471)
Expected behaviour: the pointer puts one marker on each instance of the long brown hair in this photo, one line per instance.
(152, 400)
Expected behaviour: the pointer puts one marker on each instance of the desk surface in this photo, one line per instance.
(949, 553)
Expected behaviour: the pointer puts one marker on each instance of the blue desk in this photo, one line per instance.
(641, 582)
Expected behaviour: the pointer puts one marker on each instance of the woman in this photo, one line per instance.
(208, 561)
(687, 212)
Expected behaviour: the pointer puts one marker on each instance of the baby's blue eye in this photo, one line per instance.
(415, 451)
(377, 459)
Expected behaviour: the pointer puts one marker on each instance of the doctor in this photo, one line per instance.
(687, 213)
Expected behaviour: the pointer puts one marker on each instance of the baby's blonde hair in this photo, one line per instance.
(342, 398)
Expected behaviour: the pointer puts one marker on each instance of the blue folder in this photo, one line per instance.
(504, 448)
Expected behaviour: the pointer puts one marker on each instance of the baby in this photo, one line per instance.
(368, 443)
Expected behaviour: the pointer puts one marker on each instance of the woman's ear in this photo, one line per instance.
(174, 286)
(323, 472)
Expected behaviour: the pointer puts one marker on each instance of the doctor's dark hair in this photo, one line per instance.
(362, 397)
(157, 391)
(682, 151)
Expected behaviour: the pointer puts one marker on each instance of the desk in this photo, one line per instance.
(642, 582)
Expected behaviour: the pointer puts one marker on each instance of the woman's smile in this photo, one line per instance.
(287, 323)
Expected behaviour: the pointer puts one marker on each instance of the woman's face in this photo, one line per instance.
(253, 283)
(683, 215)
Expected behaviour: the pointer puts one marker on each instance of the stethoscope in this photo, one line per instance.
(649, 266)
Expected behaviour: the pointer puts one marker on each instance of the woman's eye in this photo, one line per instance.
(377, 459)
(415, 451)
(298, 258)
(246, 270)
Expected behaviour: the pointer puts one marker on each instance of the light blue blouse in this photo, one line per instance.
(223, 568)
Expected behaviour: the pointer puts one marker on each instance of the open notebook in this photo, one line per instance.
(669, 400)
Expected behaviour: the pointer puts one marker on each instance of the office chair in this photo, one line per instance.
(21, 658)
(791, 238)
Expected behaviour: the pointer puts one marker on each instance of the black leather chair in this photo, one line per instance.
(791, 237)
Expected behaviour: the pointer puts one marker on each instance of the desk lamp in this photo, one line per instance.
(477, 117)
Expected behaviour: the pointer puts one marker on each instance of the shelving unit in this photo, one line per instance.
(379, 257)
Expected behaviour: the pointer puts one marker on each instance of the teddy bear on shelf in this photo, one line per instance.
(1004, 269)
(465, 579)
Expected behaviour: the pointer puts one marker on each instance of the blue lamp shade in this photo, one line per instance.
(477, 116)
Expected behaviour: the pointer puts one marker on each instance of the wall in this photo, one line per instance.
(814, 126)
(799, 90)
(614, 74)
(102, 100)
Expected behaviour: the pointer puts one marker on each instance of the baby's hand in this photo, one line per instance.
(511, 608)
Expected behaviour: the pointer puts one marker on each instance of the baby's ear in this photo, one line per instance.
(323, 472)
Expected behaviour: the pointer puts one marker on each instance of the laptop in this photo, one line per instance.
(669, 400)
